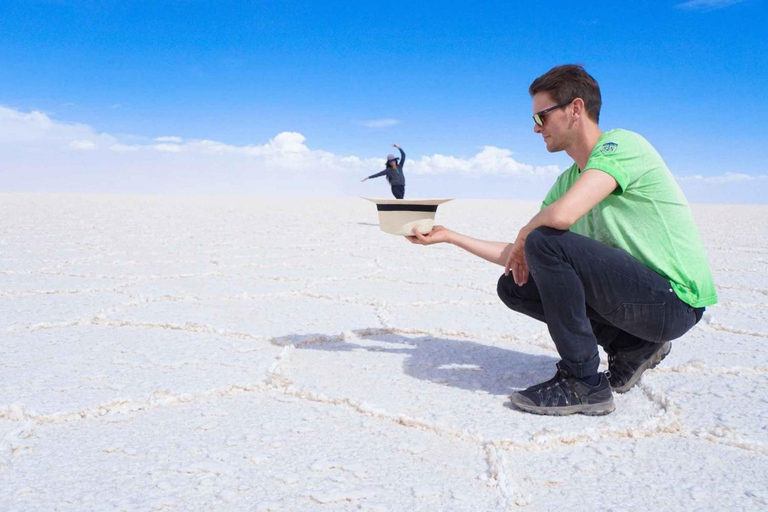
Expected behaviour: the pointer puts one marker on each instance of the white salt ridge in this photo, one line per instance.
(240, 355)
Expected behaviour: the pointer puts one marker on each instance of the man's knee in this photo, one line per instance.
(506, 289)
(542, 234)
(540, 238)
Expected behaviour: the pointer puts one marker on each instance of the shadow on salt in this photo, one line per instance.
(457, 363)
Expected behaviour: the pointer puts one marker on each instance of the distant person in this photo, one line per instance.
(612, 258)
(394, 173)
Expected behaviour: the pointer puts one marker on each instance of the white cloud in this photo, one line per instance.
(123, 147)
(34, 127)
(489, 161)
(168, 138)
(38, 156)
(168, 148)
(728, 188)
(379, 123)
(707, 5)
(83, 144)
(728, 177)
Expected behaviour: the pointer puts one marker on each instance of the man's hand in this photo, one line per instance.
(516, 263)
(395, 146)
(439, 234)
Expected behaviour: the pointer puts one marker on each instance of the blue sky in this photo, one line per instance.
(307, 97)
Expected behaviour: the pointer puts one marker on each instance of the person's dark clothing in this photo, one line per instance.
(398, 191)
(394, 175)
(589, 293)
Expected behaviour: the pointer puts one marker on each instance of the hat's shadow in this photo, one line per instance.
(456, 363)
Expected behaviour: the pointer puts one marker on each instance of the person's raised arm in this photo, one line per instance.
(402, 155)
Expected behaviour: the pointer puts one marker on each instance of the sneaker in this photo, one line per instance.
(565, 394)
(627, 367)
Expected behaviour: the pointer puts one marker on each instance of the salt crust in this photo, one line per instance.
(172, 353)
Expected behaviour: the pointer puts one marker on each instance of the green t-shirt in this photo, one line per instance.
(647, 215)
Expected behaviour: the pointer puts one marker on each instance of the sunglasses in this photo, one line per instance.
(538, 117)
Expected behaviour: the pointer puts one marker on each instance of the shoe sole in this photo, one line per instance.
(651, 363)
(599, 409)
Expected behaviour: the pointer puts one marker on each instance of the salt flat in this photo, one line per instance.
(233, 353)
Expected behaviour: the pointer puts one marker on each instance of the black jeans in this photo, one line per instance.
(589, 293)
(398, 191)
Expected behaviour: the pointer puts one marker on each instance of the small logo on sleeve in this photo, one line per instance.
(609, 147)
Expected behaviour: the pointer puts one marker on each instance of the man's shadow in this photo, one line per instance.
(458, 363)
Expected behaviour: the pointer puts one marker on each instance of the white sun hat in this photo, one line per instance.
(400, 216)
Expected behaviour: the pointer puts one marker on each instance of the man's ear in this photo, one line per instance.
(578, 108)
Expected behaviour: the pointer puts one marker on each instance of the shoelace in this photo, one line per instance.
(556, 384)
(563, 377)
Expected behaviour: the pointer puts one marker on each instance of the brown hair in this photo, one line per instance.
(568, 82)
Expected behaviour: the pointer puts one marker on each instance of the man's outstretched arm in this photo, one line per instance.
(588, 191)
(495, 252)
